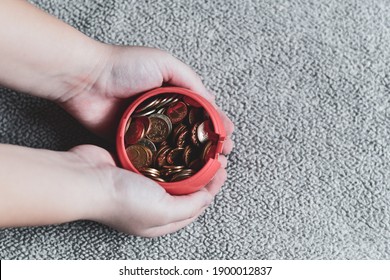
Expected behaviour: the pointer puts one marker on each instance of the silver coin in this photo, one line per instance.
(127, 125)
(202, 133)
(144, 114)
(151, 104)
(147, 143)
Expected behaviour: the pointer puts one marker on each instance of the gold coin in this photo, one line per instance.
(160, 128)
(139, 156)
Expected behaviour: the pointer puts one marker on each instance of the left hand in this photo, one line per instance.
(99, 99)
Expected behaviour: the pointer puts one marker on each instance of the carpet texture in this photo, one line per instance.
(307, 86)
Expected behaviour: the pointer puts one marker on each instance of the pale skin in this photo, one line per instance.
(44, 57)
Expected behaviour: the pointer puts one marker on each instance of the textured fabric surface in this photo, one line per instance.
(307, 85)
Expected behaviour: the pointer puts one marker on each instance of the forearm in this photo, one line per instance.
(40, 187)
(41, 55)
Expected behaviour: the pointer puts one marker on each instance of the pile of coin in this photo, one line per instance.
(169, 138)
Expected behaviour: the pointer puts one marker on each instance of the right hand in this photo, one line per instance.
(137, 205)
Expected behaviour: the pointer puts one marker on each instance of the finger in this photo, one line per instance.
(212, 188)
(229, 125)
(223, 160)
(172, 227)
(179, 74)
(94, 154)
(228, 146)
(215, 185)
(183, 207)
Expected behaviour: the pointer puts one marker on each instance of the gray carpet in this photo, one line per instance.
(307, 85)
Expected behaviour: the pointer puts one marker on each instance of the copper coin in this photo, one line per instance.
(178, 129)
(176, 112)
(135, 132)
(187, 155)
(194, 134)
(195, 115)
(146, 123)
(139, 156)
(161, 156)
(177, 178)
(164, 144)
(181, 139)
(175, 156)
(184, 174)
(205, 131)
(208, 152)
(191, 102)
(167, 171)
(174, 167)
(160, 128)
(196, 164)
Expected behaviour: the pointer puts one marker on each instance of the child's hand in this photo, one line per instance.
(93, 82)
(84, 183)
(121, 72)
(137, 205)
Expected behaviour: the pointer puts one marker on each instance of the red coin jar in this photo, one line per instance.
(207, 172)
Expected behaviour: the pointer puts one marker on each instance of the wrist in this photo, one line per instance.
(52, 60)
(55, 187)
(81, 74)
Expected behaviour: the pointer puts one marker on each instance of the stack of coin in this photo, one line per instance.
(169, 138)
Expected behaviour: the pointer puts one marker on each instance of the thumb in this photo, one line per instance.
(179, 74)
(184, 207)
(93, 155)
